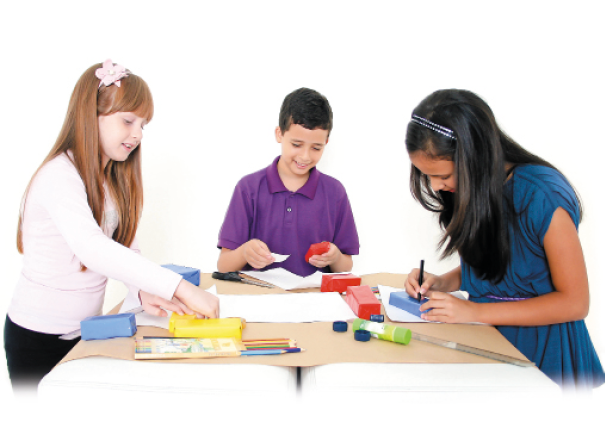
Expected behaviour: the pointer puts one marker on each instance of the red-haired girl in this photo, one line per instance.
(78, 222)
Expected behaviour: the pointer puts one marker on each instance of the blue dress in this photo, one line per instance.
(564, 352)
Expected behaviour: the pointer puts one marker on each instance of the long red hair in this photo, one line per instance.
(79, 134)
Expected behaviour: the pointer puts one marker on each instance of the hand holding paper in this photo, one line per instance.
(257, 254)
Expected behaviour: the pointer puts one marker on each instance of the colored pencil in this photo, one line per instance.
(268, 347)
(272, 351)
(260, 344)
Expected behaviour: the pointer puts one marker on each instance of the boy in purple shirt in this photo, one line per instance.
(290, 205)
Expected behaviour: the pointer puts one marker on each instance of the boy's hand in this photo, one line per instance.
(257, 254)
(326, 259)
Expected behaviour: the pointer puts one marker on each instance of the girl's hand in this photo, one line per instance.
(257, 254)
(449, 309)
(155, 305)
(430, 283)
(328, 258)
(200, 301)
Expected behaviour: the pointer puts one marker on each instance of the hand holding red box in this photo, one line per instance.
(317, 249)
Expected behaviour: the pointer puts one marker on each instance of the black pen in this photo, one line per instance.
(421, 266)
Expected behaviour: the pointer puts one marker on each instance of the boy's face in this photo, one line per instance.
(301, 150)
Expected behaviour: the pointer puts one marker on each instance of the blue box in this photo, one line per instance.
(405, 302)
(108, 326)
(192, 275)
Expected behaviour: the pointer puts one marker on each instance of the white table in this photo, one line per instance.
(220, 384)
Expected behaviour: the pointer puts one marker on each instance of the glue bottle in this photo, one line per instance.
(384, 331)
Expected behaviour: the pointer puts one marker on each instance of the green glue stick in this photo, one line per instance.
(384, 331)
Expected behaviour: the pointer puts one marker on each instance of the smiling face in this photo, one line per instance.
(441, 172)
(119, 134)
(301, 150)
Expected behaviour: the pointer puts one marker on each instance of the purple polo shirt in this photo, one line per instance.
(289, 222)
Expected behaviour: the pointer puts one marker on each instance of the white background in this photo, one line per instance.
(219, 72)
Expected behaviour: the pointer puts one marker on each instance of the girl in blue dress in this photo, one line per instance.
(512, 218)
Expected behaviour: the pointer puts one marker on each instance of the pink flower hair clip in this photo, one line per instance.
(111, 74)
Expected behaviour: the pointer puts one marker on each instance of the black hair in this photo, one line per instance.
(475, 216)
(307, 108)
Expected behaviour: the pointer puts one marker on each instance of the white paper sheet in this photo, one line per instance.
(285, 279)
(130, 302)
(286, 308)
(279, 308)
(145, 319)
(279, 257)
(399, 315)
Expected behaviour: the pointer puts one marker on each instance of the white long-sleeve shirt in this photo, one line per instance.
(59, 233)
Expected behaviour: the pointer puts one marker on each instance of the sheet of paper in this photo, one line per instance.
(399, 315)
(281, 308)
(279, 257)
(286, 308)
(285, 279)
(130, 303)
(145, 319)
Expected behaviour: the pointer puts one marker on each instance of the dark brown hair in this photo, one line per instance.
(475, 216)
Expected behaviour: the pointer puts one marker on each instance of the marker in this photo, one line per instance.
(421, 266)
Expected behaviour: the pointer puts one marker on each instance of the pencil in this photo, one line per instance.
(272, 351)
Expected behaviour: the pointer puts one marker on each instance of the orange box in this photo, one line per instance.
(338, 282)
(363, 301)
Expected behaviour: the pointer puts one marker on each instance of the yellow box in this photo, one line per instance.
(190, 326)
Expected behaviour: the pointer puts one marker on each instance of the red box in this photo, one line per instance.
(317, 249)
(338, 282)
(363, 302)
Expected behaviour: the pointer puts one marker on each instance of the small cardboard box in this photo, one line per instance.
(363, 302)
(338, 283)
(192, 275)
(190, 326)
(108, 326)
(405, 302)
(317, 249)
